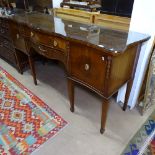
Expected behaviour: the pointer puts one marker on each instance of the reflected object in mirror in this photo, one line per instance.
(22, 4)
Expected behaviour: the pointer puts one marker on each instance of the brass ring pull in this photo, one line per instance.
(87, 67)
(42, 49)
(32, 34)
(103, 58)
(55, 43)
(17, 35)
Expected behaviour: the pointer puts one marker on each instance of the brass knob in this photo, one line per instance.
(32, 34)
(17, 36)
(43, 50)
(87, 67)
(55, 43)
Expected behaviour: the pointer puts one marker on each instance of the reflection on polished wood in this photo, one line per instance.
(100, 59)
(75, 15)
(114, 22)
(108, 21)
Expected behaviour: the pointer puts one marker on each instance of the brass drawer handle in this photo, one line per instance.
(42, 49)
(87, 67)
(32, 34)
(55, 43)
(17, 36)
(103, 58)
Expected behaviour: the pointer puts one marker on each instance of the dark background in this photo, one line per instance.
(41, 3)
(115, 7)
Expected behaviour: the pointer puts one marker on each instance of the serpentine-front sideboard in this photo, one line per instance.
(98, 58)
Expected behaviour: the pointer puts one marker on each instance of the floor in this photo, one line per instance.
(81, 136)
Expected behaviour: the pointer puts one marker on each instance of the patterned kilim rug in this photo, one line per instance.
(26, 122)
(143, 143)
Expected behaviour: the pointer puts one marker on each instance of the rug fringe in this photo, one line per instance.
(146, 143)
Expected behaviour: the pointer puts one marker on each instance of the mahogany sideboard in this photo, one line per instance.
(95, 57)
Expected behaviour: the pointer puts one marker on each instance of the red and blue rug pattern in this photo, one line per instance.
(143, 143)
(26, 122)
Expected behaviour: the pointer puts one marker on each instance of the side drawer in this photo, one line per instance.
(17, 38)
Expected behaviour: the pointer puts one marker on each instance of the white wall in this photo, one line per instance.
(56, 3)
(143, 16)
(143, 21)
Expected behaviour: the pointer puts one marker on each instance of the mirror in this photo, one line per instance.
(34, 4)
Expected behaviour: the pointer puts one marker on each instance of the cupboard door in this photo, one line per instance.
(87, 66)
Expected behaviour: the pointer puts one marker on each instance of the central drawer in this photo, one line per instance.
(49, 52)
(87, 66)
(49, 41)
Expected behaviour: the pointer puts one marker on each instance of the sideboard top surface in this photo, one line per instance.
(102, 38)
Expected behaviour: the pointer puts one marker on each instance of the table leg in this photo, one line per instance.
(129, 86)
(31, 63)
(19, 66)
(130, 83)
(71, 94)
(105, 108)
